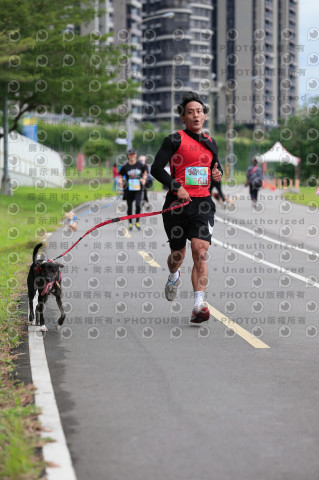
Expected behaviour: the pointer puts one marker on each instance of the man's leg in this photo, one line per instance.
(174, 261)
(175, 226)
(200, 271)
(252, 192)
(199, 248)
(138, 198)
(129, 200)
(220, 192)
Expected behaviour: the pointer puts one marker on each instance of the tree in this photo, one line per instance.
(98, 152)
(46, 66)
(300, 137)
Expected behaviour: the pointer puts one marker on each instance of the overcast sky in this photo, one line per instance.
(309, 42)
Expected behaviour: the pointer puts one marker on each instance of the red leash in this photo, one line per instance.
(127, 217)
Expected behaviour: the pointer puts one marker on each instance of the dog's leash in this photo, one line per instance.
(173, 206)
(117, 199)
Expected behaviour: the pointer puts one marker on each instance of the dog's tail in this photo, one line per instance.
(35, 251)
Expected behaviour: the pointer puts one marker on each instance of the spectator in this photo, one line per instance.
(148, 183)
(254, 180)
(115, 173)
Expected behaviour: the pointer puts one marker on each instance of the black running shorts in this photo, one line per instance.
(195, 220)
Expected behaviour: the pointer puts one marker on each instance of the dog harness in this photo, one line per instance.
(49, 286)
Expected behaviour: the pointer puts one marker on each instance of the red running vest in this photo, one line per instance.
(191, 166)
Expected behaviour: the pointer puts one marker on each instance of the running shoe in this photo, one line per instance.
(200, 314)
(138, 226)
(171, 288)
(130, 227)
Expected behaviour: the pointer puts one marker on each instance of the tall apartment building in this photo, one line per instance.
(246, 46)
(123, 19)
(288, 56)
(256, 56)
(177, 54)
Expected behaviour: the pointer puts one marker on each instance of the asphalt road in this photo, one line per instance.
(144, 395)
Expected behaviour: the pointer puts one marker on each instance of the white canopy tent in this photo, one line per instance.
(31, 163)
(278, 153)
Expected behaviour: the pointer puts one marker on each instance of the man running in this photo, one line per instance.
(254, 179)
(193, 161)
(131, 178)
(220, 194)
(148, 182)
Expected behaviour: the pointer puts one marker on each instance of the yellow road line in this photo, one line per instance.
(148, 258)
(249, 337)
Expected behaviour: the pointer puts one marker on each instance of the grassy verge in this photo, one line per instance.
(306, 196)
(24, 220)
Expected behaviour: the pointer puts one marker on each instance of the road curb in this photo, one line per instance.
(55, 453)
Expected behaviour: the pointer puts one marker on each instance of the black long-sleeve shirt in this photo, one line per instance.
(169, 146)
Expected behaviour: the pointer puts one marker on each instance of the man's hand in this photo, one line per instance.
(217, 176)
(183, 195)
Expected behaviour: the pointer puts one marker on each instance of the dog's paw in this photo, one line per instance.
(43, 328)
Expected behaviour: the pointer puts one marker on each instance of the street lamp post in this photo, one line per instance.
(229, 158)
(177, 60)
(129, 125)
(214, 89)
(229, 163)
(173, 96)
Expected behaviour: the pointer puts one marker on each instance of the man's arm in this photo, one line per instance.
(144, 175)
(165, 153)
(120, 179)
(215, 167)
(248, 176)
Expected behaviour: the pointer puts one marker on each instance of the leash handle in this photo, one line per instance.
(173, 206)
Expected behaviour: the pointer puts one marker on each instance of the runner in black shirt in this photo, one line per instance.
(132, 177)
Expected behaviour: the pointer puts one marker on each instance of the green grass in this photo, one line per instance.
(28, 213)
(88, 173)
(306, 196)
(240, 177)
(19, 441)
(24, 219)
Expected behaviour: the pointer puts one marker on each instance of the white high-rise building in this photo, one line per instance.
(257, 56)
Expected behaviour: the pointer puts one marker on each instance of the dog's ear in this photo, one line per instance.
(59, 264)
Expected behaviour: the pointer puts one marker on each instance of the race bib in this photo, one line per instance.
(196, 176)
(134, 184)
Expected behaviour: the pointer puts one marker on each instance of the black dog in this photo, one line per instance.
(44, 278)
